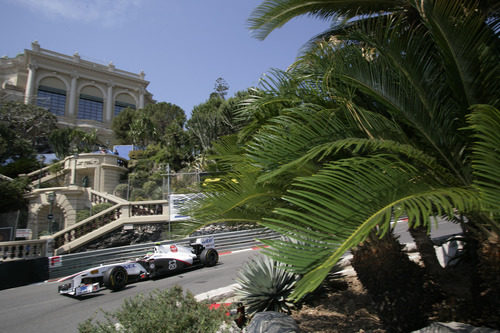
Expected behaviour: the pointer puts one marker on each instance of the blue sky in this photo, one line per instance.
(183, 46)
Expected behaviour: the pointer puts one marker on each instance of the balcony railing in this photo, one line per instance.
(17, 250)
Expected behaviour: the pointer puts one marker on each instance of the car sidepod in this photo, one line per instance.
(166, 266)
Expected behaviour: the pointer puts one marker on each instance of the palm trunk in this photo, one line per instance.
(395, 283)
(427, 252)
(489, 272)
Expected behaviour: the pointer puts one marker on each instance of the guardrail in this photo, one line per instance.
(68, 264)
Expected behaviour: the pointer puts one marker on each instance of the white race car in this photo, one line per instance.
(165, 260)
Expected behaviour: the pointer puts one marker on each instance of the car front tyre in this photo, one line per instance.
(115, 278)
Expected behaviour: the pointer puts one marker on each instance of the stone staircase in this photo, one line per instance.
(63, 175)
(70, 239)
(121, 213)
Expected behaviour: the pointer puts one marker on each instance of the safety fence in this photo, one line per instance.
(68, 264)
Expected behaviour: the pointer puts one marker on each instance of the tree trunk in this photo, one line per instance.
(489, 272)
(395, 283)
(427, 252)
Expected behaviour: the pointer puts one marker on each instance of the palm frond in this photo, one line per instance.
(328, 151)
(236, 198)
(336, 209)
(485, 121)
(408, 85)
(273, 14)
(469, 49)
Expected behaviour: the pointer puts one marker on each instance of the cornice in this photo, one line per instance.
(87, 65)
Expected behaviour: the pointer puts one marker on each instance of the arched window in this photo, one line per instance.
(90, 104)
(52, 96)
(123, 101)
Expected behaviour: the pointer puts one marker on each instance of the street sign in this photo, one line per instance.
(179, 201)
(24, 233)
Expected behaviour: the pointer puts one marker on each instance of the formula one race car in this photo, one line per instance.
(164, 260)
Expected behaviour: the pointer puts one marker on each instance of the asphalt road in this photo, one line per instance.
(39, 307)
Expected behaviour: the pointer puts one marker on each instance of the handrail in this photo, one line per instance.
(120, 211)
(39, 174)
(100, 197)
(83, 158)
(89, 224)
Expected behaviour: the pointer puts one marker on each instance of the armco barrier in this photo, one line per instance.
(22, 272)
(68, 264)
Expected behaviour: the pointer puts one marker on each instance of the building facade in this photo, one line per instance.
(80, 93)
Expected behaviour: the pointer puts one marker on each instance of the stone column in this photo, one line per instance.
(109, 102)
(72, 95)
(30, 85)
(141, 98)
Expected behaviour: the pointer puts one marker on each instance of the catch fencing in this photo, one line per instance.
(64, 265)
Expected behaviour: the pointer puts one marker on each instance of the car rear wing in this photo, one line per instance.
(207, 242)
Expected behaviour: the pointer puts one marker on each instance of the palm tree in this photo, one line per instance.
(376, 123)
(386, 33)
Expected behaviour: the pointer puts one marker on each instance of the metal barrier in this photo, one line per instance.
(68, 264)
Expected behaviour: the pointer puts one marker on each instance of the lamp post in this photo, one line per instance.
(40, 173)
(73, 178)
(51, 196)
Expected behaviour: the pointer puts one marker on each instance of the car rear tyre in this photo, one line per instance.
(209, 257)
(115, 278)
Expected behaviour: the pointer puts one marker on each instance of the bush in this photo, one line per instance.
(161, 311)
(86, 213)
(151, 190)
(12, 194)
(265, 285)
(121, 191)
(82, 214)
(20, 166)
(96, 209)
(136, 154)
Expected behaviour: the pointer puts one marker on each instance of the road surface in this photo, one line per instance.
(39, 307)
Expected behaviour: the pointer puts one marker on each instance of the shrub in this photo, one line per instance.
(265, 285)
(96, 209)
(121, 191)
(136, 154)
(82, 214)
(151, 188)
(20, 166)
(164, 311)
(86, 213)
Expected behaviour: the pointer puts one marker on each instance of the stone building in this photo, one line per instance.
(80, 93)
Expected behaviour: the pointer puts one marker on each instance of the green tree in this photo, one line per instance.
(214, 119)
(64, 141)
(364, 129)
(12, 194)
(121, 126)
(24, 130)
(427, 94)
(221, 87)
(156, 123)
